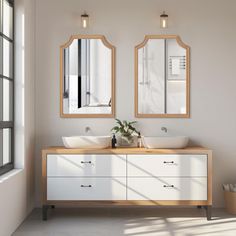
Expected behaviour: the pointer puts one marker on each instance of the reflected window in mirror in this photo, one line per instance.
(162, 77)
(88, 77)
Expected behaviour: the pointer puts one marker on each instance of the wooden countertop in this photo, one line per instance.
(126, 150)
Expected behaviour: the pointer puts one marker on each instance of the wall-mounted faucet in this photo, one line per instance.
(164, 129)
(87, 129)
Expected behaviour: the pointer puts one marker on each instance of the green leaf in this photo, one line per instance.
(133, 122)
(119, 122)
(125, 128)
(116, 129)
(125, 123)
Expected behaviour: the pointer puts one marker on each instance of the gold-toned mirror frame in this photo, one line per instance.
(113, 52)
(180, 42)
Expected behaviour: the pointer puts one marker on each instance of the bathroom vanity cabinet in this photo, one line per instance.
(127, 176)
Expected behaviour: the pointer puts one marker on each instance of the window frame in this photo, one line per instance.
(9, 124)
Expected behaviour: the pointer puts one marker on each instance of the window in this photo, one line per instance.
(6, 86)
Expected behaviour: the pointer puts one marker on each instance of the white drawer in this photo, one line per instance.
(167, 188)
(86, 188)
(167, 165)
(86, 165)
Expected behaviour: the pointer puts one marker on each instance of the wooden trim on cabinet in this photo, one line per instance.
(209, 178)
(188, 150)
(44, 177)
(125, 150)
(131, 203)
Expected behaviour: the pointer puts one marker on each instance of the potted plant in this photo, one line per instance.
(127, 132)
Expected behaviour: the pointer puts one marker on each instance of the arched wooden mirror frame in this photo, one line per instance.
(181, 44)
(113, 55)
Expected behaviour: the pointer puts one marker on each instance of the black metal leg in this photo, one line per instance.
(208, 212)
(44, 212)
(199, 207)
(53, 206)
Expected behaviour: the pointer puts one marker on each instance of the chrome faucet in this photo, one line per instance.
(87, 129)
(164, 129)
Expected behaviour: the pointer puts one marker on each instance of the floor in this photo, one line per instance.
(128, 222)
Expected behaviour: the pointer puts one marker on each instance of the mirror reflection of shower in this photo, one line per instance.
(162, 77)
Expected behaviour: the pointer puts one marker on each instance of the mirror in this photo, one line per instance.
(162, 77)
(87, 77)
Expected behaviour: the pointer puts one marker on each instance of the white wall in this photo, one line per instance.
(208, 26)
(17, 190)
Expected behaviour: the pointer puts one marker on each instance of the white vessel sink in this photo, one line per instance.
(165, 142)
(87, 141)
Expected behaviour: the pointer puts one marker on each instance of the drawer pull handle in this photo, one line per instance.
(85, 186)
(168, 162)
(168, 186)
(86, 162)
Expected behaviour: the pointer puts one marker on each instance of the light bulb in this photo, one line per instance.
(85, 20)
(164, 20)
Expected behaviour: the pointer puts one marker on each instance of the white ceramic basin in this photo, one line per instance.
(165, 142)
(87, 141)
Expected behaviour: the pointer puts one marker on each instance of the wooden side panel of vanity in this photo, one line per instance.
(190, 150)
